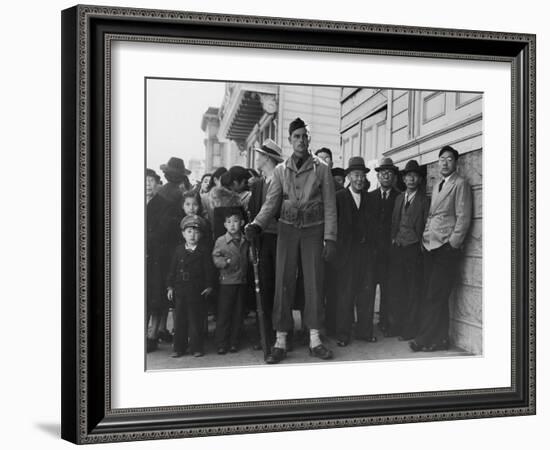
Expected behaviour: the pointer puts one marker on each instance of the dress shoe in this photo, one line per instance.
(177, 354)
(198, 354)
(415, 347)
(233, 349)
(222, 351)
(440, 346)
(320, 352)
(277, 355)
(405, 338)
(342, 342)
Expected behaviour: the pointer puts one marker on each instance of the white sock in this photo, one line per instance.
(314, 338)
(281, 339)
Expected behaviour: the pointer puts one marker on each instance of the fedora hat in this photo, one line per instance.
(386, 164)
(271, 149)
(175, 166)
(412, 166)
(357, 163)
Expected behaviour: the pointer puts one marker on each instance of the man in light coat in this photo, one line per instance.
(302, 189)
(446, 228)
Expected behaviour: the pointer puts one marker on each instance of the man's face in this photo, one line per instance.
(412, 180)
(191, 235)
(299, 139)
(150, 185)
(385, 178)
(232, 224)
(357, 180)
(204, 183)
(326, 158)
(447, 164)
(261, 160)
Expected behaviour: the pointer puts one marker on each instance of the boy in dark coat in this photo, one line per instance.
(189, 282)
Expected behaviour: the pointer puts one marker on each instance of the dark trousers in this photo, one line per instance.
(406, 277)
(266, 266)
(295, 244)
(332, 294)
(352, 287)
(229, 317)
(440, 267)
(376, 274)
(189, 320)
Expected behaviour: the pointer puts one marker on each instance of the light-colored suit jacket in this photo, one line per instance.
(450, 214)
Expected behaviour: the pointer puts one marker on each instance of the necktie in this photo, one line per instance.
(384, 196)
(441, 185)
(407, 204)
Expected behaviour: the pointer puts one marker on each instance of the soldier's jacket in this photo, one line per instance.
(305, 196)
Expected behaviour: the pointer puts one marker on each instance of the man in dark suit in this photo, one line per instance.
(406, 275)
(267, 158)
(448, 222)
(351, 253)
(380, 209)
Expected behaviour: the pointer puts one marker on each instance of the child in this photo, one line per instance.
(191, 206)
(189, 282)
(231, 257)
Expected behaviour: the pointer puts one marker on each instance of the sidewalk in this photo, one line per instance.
(384, 349)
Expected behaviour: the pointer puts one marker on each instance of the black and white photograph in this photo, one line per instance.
(306, 224)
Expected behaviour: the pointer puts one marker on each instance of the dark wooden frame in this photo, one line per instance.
(87, 31)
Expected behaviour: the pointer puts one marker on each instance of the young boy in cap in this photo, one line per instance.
(189, 281)
(231, 258)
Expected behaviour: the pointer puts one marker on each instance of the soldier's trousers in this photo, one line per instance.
(308, 243)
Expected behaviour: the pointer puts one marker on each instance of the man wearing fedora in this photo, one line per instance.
(351, 254)
(406, 275)
(448, 222)
(302, 189)
(380, 208)
(268, 155)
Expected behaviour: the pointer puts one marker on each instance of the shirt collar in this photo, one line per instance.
(229, 238)
(190, 248)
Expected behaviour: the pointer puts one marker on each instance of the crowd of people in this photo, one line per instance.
(324, 244)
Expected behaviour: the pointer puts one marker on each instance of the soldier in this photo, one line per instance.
(303, 189)
(448, 222)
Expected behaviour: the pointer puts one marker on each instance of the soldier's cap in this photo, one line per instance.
(295, 125)
(449, 149)
(192, 221)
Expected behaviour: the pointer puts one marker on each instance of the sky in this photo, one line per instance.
(174, 115)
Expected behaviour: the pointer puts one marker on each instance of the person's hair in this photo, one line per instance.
(192, 194)
(233, 211)
(205, 175)
(226, 180)
(216, 174)
(253, 172)
(324, 150)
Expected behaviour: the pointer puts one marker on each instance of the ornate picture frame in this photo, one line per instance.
(88, 33)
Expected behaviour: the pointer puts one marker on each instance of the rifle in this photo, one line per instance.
(254, 258)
